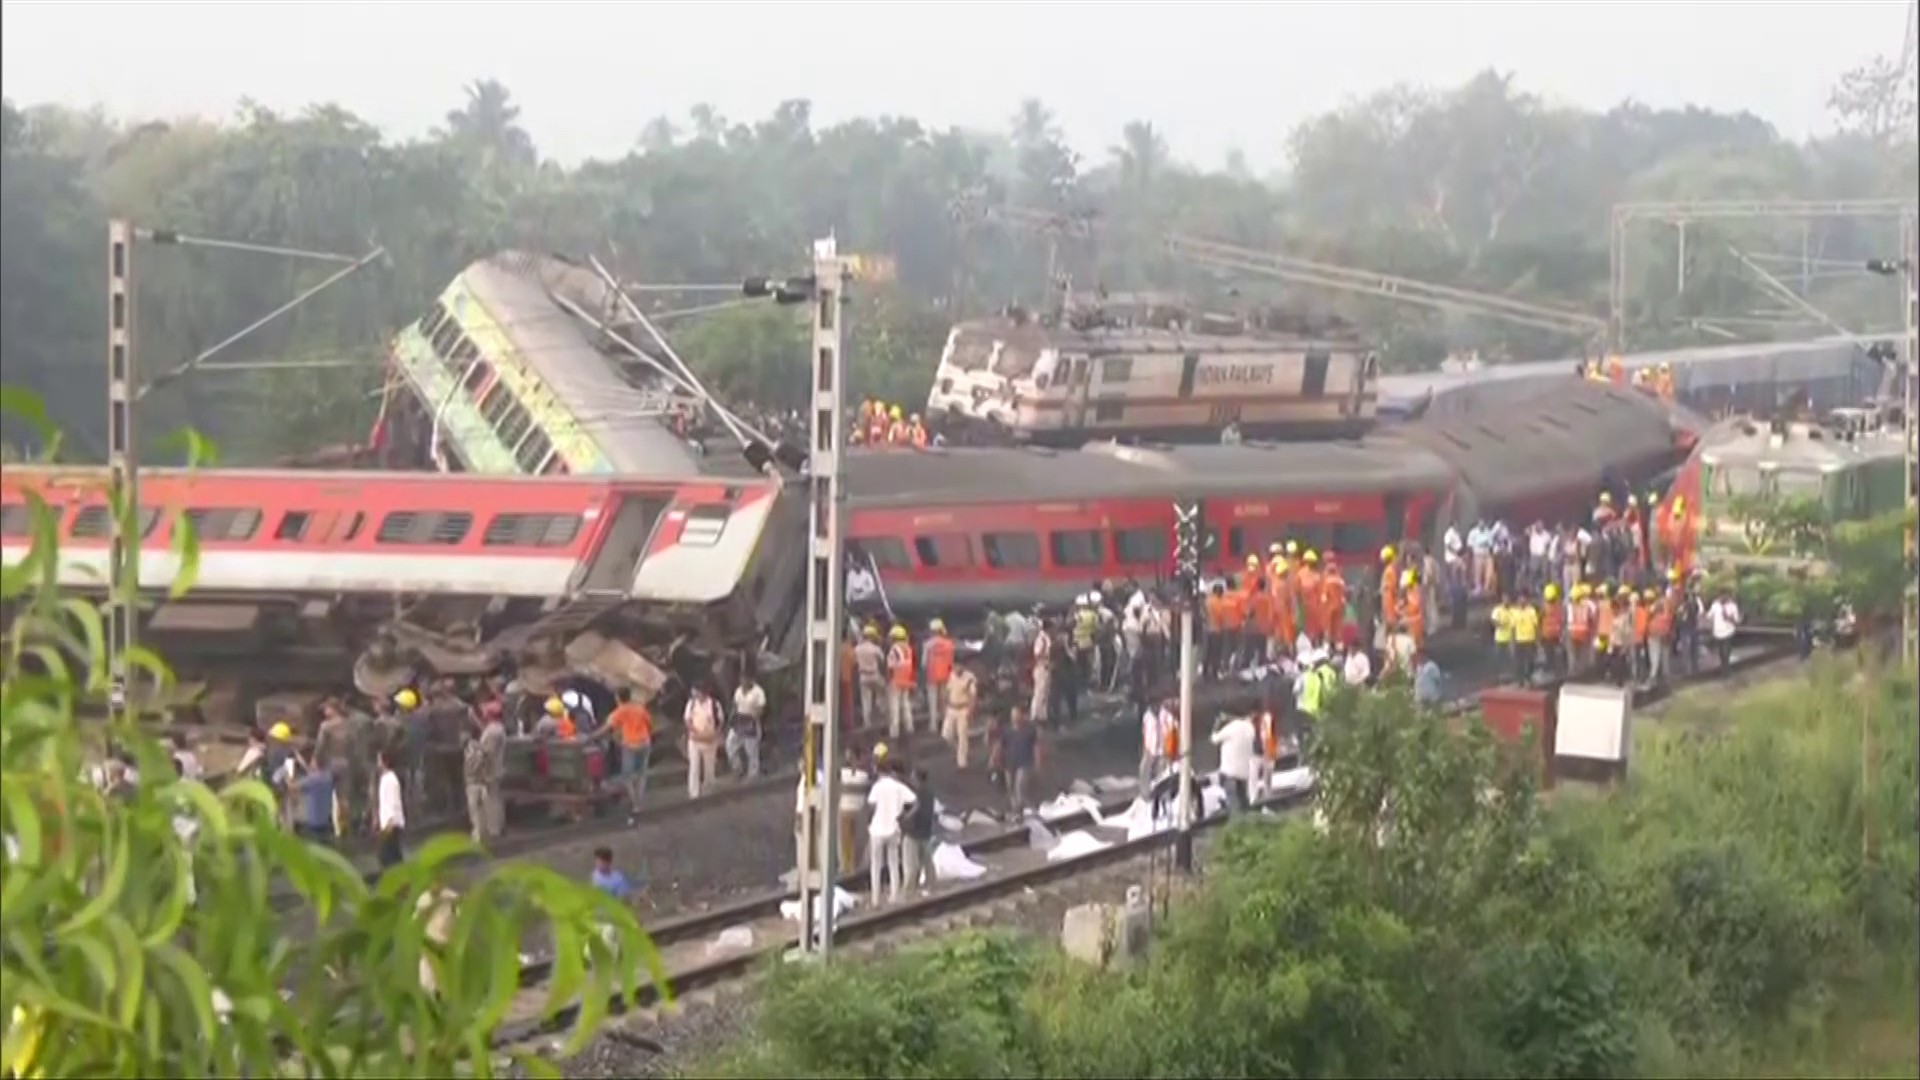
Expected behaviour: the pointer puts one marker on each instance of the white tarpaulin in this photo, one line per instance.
(1074, 845)
(950, 863)
(736, 938)
(1066, 806)
(843, 902)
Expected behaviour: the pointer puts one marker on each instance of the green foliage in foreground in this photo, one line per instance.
(139, 936)
(1703, 920)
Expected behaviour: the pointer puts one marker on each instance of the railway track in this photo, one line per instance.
(697, 961)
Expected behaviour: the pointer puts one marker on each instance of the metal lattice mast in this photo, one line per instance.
(1910, 286)
(123, 474)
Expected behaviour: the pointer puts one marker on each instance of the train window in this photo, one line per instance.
(513, 426)
(479, 376)
(1108, 412)
(438, 527)
(1076, 547)
(347, 535)
(1312, 537)
(94, 523)
(1116, 369)
(224, 523)
(16, 519)
(1141, 547)
(555, 465)
(430, 322)
(444, 338)
(705, 524)
(293, 525)
(531, 530)
(533, 450)
(884, 552)
(465, 351)
(945, 551)
(1396, 507)
(1355, 537)
(1011, 551)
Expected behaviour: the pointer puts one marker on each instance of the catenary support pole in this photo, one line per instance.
(123, 474)
(825, 580)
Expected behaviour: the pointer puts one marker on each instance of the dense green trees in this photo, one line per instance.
(1708, 918)
(1483, 185)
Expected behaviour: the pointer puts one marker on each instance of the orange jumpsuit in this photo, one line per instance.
(1333, 603)
(1416, 617)
(1286, 625)
(1307, 581)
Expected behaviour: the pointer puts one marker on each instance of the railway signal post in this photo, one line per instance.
(816, 873)
(1189, 548)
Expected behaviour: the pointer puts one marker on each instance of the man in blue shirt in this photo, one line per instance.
(315, 791)
(607, 879)
(1429, 682)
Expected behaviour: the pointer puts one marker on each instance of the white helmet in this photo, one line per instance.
(1094, 598)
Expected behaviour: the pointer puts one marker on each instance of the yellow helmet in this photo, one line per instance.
(1406, 579)
(872, 631)
(1311, 556)
(1386, 553)
(1673, 573)
(879, 750)
(1649, 594)
(938, 626)
(896, 413)
(898, 633)
(1679, 505)
(407, 698)
(556, 707)
(1293, 547)
(280, 732)
(1606, 499)
(1552, 592)
(1253, 562)
(1625, 590)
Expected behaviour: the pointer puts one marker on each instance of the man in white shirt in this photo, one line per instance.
(1723, 621)
(1156, 723)
(1357, 668)
(390, 818)
(1237, 738)
(743, 728)
(890, 800)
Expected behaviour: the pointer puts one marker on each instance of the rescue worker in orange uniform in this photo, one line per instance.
(936, 656)
(1333, 599)
(898, 433)
(1389, 595)
(877, 426)
(1286, 609)
(563, 725)
(1659, 634)
(1413, 609)
(900, 680)
(1616, 371)
(1642, 605)
(1580, 630)
(1603, 512)
(1306, 583)
(1553, 631)
(917, 432)
(1257, 601)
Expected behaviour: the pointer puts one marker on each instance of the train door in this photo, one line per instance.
(1076, 399)
(1313, 382)
(1365, 371)
(611, 568)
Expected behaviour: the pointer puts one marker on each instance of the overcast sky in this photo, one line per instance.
(1212, 76)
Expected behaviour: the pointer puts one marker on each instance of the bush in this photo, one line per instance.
(138, 932)
(1446, 922)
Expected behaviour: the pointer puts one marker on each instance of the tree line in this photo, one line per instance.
(1483, 185)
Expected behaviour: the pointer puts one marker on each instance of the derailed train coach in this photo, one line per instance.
(303, 574)
(1716, 380)
(955, 530)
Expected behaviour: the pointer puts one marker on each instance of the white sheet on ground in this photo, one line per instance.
(1039, 837)
(735, 938)
(950, 863)
(1075, 844)
(843, 902)
(1066, 806)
